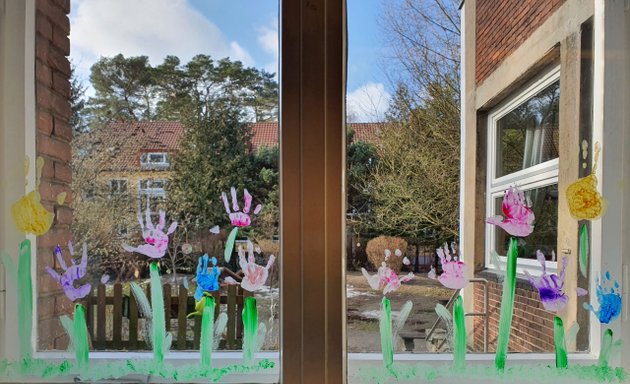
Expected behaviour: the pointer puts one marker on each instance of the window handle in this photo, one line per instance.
(566, 251)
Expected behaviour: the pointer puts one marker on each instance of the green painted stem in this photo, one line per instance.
(250, 329)
(604, 351)
(385, 325)
(207, 332)
(459, 350)
(561, 348)
(583, 254)
(25, 300)
(229, 244)
(157, 305)
(81, 347)
(507, 306)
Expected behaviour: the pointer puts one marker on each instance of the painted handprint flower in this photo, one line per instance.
(609, 299)
(255, 275)
(385, 278)
(453, 270)
(550, 286)
(156, 240)
(585, 202)
(71, 274)
(519, 217)
(237, 218)
(207, 281)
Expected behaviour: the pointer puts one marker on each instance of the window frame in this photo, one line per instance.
(536, 176)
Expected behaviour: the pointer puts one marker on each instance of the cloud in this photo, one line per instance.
(154, 28)
(268, 41)
(368, 103)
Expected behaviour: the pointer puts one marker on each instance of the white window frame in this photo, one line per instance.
(119, 182)
(536, 176)
(147, 159)
(151, 191)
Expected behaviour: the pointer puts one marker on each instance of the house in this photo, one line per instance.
(135, 157)
(544, 83)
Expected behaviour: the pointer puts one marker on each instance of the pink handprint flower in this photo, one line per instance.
(519, 217)
(237, 218)
(71, 274)
(155, 238)
(255, 275)
(550, 286)
(453, 270)
(385, 278)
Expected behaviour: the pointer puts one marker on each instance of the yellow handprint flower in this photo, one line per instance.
(30, 216)
(585, 202)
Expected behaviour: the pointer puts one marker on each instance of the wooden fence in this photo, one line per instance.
(177, 305)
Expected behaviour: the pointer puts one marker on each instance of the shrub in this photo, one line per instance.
(376, 251)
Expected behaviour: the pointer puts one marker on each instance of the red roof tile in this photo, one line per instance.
(126, 141)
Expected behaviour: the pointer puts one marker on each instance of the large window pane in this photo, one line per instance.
(528, 135)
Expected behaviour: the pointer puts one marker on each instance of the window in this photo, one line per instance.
(117, 187)
(523, 150)
(154, 160)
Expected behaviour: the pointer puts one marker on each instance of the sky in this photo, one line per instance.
(245, 30)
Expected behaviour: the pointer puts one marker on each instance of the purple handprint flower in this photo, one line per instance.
(239, 219)
(71, 274)
(156, 240)
(453, 270)
(550, 286)
(609, 299)
(519, 217)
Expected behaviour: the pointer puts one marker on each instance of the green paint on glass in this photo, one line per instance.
(604, 351)
(229, 244)
(385, 325)
(459, 349)
(583, 259)
(507, 306)
(207, 332)
(250, 329)
(25, 300)
(157, 305)
(558, 339)
(81, 347)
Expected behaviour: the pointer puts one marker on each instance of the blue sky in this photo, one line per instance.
(242, 29)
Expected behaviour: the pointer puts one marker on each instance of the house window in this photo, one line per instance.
(117, 187)
(153, 160)
(151, 194)
(523, 136)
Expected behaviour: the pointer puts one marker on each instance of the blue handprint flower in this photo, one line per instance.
(609, 299)
(207, 281)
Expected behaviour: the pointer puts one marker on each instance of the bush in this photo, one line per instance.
(376, 251)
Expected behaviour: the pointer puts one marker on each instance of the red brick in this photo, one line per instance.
(57, 149)
(44, 122)
(58, 61)
(42, 47)
(60, 40)
(45, 306)
(44, 26)
(54, 237)
(63, 172)
(43, 96)
(61, 129)
(61, 84)
(55, 13)
(50, 191)
(64, 5)
(63, 214)
(61, 106)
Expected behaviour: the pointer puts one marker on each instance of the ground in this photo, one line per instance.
(363, 309)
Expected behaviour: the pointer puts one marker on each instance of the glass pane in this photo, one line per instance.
(175, 205)
(528, 135)
(544, 203)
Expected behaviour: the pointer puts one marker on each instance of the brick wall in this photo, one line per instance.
(502, 26)
(52, 72)
(532, 326)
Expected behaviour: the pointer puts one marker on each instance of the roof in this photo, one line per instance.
(123, 142)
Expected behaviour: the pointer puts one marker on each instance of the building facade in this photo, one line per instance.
(539, 82)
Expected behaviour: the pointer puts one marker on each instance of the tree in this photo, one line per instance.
(77, 102)
(415, 184)
(361, 160)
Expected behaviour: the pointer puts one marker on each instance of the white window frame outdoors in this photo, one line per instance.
(536, 176)
(119, 182)
(145, 160)
(150, 190)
